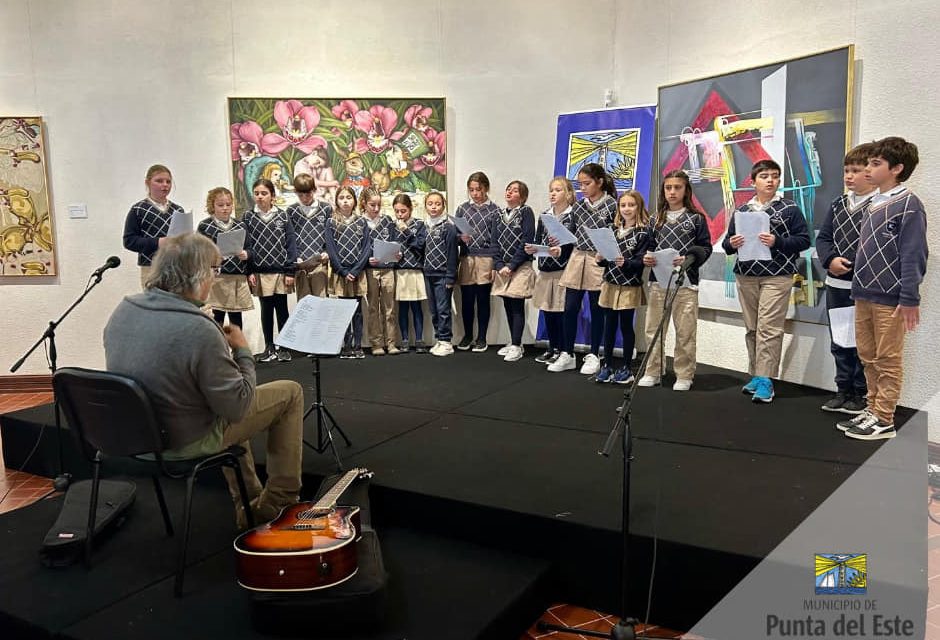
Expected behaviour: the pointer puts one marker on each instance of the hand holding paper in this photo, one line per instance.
(751, 224)
(557, 230)
(384, 251)
(663, 267)
(231, 243)
(180, 224)
(605, 243)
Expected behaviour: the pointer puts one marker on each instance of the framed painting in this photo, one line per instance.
(27, 241)
(398, 145)
(796, 112)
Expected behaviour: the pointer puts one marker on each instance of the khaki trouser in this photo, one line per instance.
(277, 408)
(383, 310)
(764, 302)
(879, 338)
(144, 274)
(312, 282)
(685, 320)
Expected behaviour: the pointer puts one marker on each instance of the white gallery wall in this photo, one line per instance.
(124, 84)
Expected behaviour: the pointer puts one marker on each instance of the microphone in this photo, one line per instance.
(694, 257)
(110, 263)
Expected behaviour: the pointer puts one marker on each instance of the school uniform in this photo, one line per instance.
(380, 284)
(440, 273)
(476, 267)
(621, 295)
(681, 230)
(272, 250)
(890, 265)
(512, 230)
(348, 246)
(230, 292)
(409, 280)
(312, 274)
(837, 237)
(145, 224)
(764, 286)
(548, 295)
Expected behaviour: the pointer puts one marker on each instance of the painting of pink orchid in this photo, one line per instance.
(398, 144)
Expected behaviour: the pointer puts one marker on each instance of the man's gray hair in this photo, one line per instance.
(183, 264)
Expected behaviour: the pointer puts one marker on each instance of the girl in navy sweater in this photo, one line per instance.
(622, 291)
(512, 266)
(148, 221)
(272, 254)
(349, 246)
(230, 292)
(441, 252)
(409, 279)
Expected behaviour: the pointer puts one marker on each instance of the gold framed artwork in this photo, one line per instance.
(27, 245)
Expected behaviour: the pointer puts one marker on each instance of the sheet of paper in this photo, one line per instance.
(557, 230)
(604, 242)
(230, 242)
(463, 226)
(180, 224)
(663, 268)
(750, 224)
(541, 251)
(317, 325)
(842, 323)
(385, 251)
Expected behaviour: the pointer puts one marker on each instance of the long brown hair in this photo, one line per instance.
(642, 214)
(337, 216)
(661, 204)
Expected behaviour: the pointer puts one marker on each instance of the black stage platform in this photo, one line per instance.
(489, 497)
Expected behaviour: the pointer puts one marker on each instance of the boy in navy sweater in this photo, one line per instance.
(889, 267)
(836, 245)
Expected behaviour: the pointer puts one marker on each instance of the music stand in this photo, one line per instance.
(326, 423)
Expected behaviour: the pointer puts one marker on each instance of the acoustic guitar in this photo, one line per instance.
(308, 546)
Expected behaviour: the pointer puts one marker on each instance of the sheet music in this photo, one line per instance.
(463, 226)
(556, 229)
(180, 224)
(663, 268)
(541, 251)
(842, 324)
(385, 251)
(605, 243)
(750, 224)
(317, 325)
(230, 242)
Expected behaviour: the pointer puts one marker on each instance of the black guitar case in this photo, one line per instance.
(356, 603)
(65, 542)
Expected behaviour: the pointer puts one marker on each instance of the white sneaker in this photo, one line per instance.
(514, 353)
(504, 351)
(648, 381)
(443, 349)
(563, 362)
(682, 385)
(592, 364)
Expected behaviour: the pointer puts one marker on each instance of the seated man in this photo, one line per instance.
(201, 378)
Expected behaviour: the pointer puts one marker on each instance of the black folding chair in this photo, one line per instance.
(111, 415)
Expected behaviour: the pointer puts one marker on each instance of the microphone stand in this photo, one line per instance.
(62, 480)
(625, 629)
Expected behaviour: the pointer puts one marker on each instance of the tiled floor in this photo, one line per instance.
(933, 570)
(16, 401)
(18, 489)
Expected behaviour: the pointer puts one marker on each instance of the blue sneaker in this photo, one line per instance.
(764, 391)
(622, 376)
(604, 375)
(751, 387)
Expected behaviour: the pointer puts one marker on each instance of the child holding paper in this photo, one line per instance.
(230, 292)
(678, 226)
(348, 244)
(148, 221)
(622, 291)
(380, 278)
(308, 217)
(512, 266)
(764, 285)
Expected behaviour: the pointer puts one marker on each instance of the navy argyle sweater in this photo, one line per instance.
(211, 228)
(441, 251)
(384, 230)
(687, 230)
(632, 242)
(144, 225)
(309, 225)
(481, 218)
(541, 237)
(839, 233)
(892, 252)
(788, 226)
(413, 239)
(586, 215)
(270, 245)
(349, 245)
(512, 231)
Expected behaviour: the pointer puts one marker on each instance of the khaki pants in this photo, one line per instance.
(685, 320)
(144, 274)
(879, 338)
(383, 310)
(312, 282)
(277, 408)
(764, 302)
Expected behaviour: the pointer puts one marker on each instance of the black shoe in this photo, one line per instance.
(420, 347)
(854, 405)
(359, 354)
(346, 354)
(546, 357)
(836, 403)
(554, 357)
(268, 355)
(871, 428)
(465, 344)
(479, 346)
(283, 355)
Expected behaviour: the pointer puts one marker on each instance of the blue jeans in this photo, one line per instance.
(850, 373)
(439, 297)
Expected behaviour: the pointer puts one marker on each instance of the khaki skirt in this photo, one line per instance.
(409, 285)
(618, 298)
(517, 285)
(268, 284)
(582, 272)
(230, 292)
(548, 294)
(340, 287)
(475, 270)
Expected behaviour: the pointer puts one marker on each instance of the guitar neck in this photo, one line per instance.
(328, 501)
